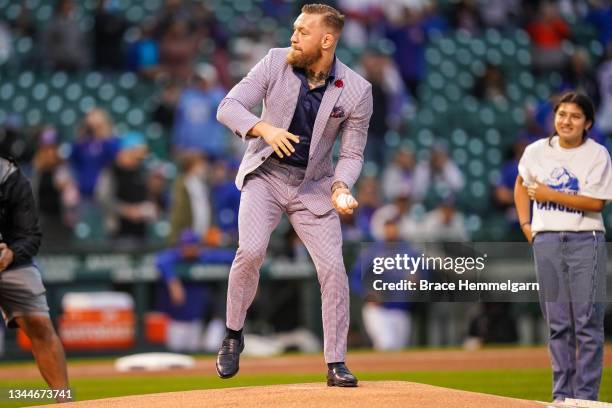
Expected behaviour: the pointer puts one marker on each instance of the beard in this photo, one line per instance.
(300, 59)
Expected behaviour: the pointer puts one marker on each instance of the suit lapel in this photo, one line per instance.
(332, 93)
(292, 94)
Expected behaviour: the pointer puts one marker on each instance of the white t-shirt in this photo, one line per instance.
(584, 170)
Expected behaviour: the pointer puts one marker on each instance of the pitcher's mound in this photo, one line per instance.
(369, 394)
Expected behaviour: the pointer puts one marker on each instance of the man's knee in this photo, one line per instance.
(251, 253)
(37, 328)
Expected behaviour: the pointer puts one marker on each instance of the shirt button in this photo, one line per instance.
(263, 158)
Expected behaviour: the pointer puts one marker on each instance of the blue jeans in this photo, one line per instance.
(571, 270)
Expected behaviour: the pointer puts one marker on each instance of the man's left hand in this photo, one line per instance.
(344, 207)
(6, 256)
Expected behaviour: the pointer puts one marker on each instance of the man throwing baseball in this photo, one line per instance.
(309, 97)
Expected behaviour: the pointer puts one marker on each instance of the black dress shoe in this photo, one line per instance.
(229, 357)
(340, 376)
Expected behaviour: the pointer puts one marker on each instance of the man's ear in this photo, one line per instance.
(588, 125)
(328, 41)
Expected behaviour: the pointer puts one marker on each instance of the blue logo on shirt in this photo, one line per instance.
(561, 179)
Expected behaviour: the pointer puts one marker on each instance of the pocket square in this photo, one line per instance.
(337, 112)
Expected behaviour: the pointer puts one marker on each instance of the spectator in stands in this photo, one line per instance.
(122, 192)
(171, 11)
(600, 15)
(279, 9)
(108, 30)
(186, 303)
(433, 21)
(195, 124)
(604, 76)
(190, 207)
(493, 323)
(374, 67)
(498, 14)
(143, 52)
(206, 25)
(360, 15)
(165, 103)
(390, 100)
(579, 76)
(401, 210)
(443, 224)
(386, 316)
(464, 16)
(503, 194)
(408, 33)
(55, 191)
(225, 199)
(368, 196)
(157, 187)
(63, 40)
(95, 148)
(177, 50)
(548, 31)
(491, 86)
(438, 176)
(399, 174)
(23, 25)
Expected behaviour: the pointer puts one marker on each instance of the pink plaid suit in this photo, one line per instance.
(303, 194)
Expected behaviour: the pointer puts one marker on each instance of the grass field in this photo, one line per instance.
(531, 384)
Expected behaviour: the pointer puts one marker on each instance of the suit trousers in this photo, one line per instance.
(268, 192)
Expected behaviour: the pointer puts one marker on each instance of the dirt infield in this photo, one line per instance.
(417, 360)
(369, 394)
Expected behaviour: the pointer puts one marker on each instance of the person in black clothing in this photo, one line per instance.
(109, 28)
(55, 191)
(122, 191)
(22, 294)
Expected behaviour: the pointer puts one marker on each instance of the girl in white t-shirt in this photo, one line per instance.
(565, 180)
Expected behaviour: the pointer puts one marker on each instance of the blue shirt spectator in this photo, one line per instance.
(188, 252)
(93, 151)
(601, 16)
(195, 124)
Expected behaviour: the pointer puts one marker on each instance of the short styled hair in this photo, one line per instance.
(332, 18)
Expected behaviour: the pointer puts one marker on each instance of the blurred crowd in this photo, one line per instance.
(192, 58)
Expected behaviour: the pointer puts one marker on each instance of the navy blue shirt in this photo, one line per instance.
(304, 117)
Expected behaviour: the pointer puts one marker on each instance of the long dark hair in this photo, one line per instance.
(584, 103)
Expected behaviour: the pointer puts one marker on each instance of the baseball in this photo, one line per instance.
(344, 200)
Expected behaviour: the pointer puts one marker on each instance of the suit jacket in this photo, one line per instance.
(273, 81)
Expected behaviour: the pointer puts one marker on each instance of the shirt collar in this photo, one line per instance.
(332, 71)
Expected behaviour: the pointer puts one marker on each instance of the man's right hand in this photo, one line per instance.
(278, 138)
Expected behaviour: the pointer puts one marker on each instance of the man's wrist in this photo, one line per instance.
(337, 185)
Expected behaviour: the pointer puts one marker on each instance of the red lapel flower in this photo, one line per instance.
(339, 83)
